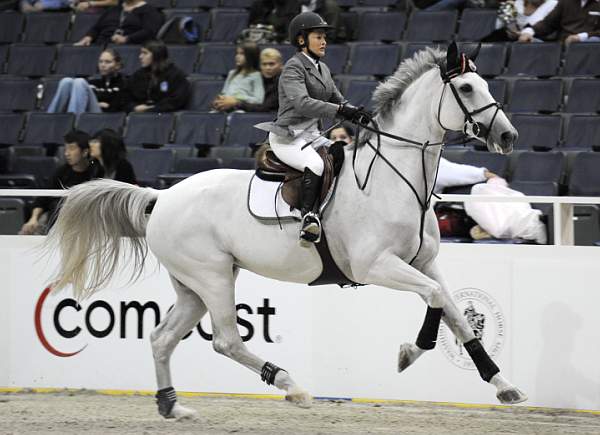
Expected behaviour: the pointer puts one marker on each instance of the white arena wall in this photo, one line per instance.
(540, 303)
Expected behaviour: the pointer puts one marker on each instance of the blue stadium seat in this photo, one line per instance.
(226, 154)
(11, 123)
(475, 24)
(497, 163)
(47, 128)
(227, 24)
(17, 94)
(412, 47)
(582, 59)
(336, 57)
(203, 93)
(160, 4)
(491, 59)
(381, 26)
(202, 19)
(431, 26)
(243, 163)
(189, 4)
(77, 61)
(369, 3)
(3, 57)
(539, 60)
(537, 131)
(346, 3)
(184, 56)
(11, 25)
(94, 122)
(41, 167)
(193, 128)
(583, 131)
(535, 166)
(46, 27)
(149, 164)
(194, 165)
(497, 88)
(236, 3)
(216, 59)
(83, 22)
(241, 130)
(585, 175)
(359, 92)
(533, 96)
(130, 54)
(584, 96)
(373, 59)
(33, 60)
(7, 157)
(148, 129)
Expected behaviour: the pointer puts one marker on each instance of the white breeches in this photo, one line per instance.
(291, 152)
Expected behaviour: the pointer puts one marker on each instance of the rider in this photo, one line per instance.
(307, 93)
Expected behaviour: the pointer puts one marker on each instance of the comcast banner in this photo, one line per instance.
(535, 308)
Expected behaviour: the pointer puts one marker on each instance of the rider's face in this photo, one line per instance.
(340, 134)
(317, 41)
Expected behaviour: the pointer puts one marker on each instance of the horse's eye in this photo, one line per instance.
(466, 88)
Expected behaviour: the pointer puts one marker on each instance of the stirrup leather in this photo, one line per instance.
(311, 228)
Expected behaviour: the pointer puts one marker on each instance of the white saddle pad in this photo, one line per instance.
(266, 202)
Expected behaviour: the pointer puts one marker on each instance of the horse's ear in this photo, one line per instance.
(475, 52)
(452, 60)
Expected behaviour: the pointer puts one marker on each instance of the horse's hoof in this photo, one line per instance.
(511, 396)
(182, 413)
(407, 355)
(299, 398)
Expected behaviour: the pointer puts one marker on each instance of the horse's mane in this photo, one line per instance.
(388, 92)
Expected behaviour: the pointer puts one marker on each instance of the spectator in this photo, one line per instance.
(515, 15)
(106, 93)
(277, 13)
(271, 63)
(93, 5)
(344, 133)
(44, 5)
(574, 20)
(108, 148)
(244, 83)
(78, 169)
(132, 22)
(158, 86)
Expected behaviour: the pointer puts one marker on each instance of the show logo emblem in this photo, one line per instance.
(484, 316)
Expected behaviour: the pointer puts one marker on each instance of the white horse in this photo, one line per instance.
(202, 232)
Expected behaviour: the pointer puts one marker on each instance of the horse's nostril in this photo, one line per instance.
(508, 137)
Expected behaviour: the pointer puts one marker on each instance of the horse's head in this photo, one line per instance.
(467, 105)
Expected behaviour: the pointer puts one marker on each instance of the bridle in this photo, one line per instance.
(471, 128)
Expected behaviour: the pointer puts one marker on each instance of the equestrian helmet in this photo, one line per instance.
(303, 23)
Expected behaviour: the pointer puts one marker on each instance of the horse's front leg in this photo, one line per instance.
(506, 392)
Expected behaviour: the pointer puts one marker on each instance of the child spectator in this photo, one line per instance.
(105, 93)
(159, 86)
(132, 22)
(108, 148)
(79, 168)
(244, 82)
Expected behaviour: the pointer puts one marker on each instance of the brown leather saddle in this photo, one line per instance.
(270, 168)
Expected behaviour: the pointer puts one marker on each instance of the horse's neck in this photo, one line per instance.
(416, 119)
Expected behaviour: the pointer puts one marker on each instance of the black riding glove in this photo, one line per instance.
(354, 114)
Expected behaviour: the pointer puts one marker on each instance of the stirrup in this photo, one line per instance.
(311, 229)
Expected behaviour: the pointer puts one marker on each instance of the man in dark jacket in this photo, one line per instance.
(574, 20)
(271, 63)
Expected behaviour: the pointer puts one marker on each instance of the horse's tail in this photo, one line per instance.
(99, 223)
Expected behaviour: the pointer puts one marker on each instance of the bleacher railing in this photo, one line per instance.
(564, 233)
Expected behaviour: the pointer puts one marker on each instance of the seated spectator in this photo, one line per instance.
(344, 133)
(271, 64)
(108, 148)
(244, 82)
(79, 168)
(574, 20)
(513, 16)
(158, 86)
(132, 22)
(44, 5)
(277, 13)
(105, 93)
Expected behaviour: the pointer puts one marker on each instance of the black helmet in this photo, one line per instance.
(305, 22)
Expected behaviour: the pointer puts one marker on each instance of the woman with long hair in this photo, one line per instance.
(244, 82)
(158, 86)
(108, 148)
(105, 93)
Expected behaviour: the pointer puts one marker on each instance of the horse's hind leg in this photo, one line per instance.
(216, 289)
(186, 313)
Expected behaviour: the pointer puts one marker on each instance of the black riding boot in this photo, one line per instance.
(311, 224)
